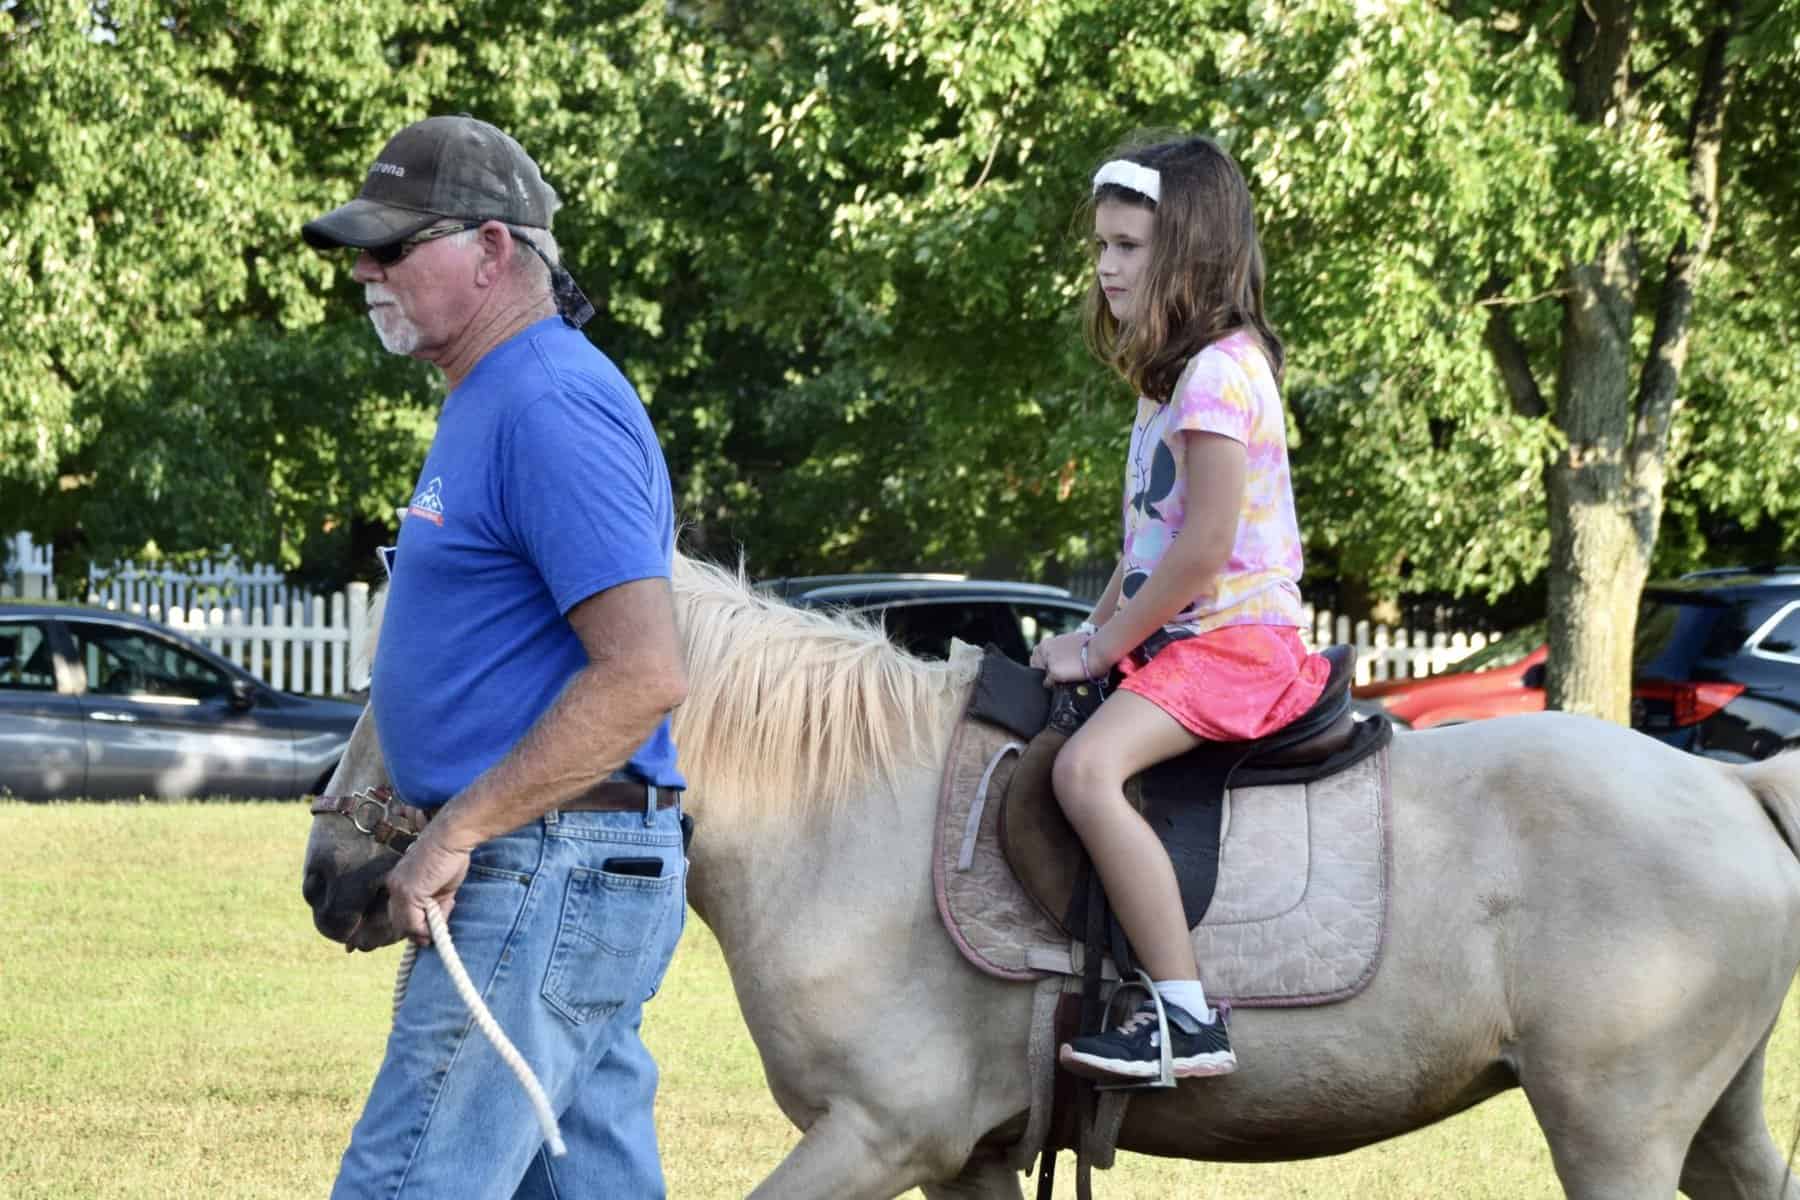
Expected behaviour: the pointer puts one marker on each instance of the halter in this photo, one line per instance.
(379, 813)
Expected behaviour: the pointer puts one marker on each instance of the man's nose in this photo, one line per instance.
(366, 270)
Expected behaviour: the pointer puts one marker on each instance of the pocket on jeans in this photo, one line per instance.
(603, 941)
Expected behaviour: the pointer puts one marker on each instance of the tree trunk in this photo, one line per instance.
(1598, 561)
(1606, 489)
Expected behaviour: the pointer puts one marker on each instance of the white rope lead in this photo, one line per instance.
(440, 937)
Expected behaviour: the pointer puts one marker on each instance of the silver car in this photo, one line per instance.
(106, 705)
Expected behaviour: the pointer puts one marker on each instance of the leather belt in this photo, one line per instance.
(618, 795)
(378, 812)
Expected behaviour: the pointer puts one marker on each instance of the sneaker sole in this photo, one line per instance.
(1200, 1066)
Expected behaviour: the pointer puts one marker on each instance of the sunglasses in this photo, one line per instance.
(393, 252)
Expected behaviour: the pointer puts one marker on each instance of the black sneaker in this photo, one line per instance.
(1132, 1050)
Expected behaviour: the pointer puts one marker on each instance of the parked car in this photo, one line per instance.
(1503, 677)
(923, 612)
(1715, 668)
(104, 705)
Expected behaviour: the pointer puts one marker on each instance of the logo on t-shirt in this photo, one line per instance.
(429, 503)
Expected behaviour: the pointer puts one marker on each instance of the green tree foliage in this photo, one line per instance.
(834, 245)
(168, 373)
(1527, 225)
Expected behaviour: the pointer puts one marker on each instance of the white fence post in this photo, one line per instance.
(356, 678)
(27, 570)
(1384, 653)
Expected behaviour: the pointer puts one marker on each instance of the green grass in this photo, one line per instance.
(170, 1026)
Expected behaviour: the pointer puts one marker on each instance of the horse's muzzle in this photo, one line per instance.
(351, 908)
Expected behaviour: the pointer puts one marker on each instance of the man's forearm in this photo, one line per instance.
(600, 718)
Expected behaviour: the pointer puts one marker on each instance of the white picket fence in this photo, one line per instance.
(30, 566)
(1383, 653)
(289, 639)
(206, 584)
(318, 644)
(312, 644)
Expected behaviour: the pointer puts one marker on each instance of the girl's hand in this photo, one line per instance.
(1060, 657)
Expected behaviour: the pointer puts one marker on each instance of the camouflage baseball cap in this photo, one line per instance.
(442, 167)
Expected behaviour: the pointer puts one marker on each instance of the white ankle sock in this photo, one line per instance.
(1188, 994)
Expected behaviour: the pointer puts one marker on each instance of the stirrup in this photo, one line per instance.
(1166, 1078)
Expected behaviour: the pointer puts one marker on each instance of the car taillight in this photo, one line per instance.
(1689, 703)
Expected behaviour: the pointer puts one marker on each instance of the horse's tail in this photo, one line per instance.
(1775, 782)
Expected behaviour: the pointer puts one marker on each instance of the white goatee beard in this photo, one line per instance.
(398, 335)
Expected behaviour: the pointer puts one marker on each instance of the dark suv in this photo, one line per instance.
(1715, 669)
(923, 612)
(1717, 662)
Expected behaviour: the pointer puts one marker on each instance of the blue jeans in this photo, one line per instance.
(565, 953)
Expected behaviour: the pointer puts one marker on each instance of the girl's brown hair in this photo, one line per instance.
(1204, 279)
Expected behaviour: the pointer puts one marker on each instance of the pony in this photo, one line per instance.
(1577, 910)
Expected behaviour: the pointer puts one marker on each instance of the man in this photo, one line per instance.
(528, 665)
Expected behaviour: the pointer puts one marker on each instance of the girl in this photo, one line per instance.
(1211, 558)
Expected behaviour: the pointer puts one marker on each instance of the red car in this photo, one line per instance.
(1503, 677)
(1715, 669)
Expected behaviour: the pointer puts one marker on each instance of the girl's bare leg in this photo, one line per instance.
(1126, 735)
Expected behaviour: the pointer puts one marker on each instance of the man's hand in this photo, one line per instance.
(426, 871)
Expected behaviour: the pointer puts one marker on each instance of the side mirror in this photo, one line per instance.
(243, 694)
(1534, 676)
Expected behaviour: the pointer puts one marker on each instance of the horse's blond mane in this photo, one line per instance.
(786, 708)
(789, 708)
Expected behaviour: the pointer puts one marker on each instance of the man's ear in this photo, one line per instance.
(496, 247)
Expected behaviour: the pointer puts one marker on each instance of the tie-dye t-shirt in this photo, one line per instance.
(1227, 389)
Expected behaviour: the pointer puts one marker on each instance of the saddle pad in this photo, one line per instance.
(1298, 917)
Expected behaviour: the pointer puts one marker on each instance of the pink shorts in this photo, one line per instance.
(1231, 684)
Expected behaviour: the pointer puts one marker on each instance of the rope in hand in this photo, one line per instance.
(440, 937)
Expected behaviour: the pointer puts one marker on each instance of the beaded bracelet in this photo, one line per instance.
(1085, 669)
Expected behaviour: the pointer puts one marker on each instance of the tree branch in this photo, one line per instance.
(1658, 389)
(1745, 29)
(1504, 344)
(999, 138)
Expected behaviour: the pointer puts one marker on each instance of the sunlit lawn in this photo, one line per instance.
(170, 1025)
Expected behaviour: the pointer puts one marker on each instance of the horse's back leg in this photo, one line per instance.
(1733, 1157)
(988, 1179)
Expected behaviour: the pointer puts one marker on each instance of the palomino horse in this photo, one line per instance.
(1577, 910)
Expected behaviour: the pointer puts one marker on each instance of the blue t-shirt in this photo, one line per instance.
(544, 485)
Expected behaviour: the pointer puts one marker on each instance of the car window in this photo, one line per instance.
(1504, 650)
(1671, 632)
(1784, 638)
(1040, 622)
(926, 627)
(1656, 628)
(26, 664)
(128, 662)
